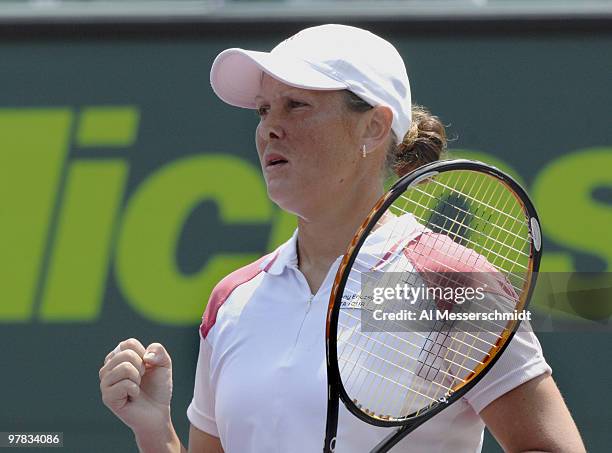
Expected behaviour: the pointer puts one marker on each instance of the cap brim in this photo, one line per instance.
(236, 75)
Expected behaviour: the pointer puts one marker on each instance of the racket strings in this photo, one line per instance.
(471, 241)
(472, 213)
(475, 230)
(389, 355)
(488, 253)
(407, 342)
(433, 345)
(499, 193)
(487, 222)
(467, 321)
(425, 360)
(502, 228)
(435, 366)
(414, 402)
(450, 349)
(479, 202)
(394, 364)
(445, 275)
(450, 270)
(509, 302)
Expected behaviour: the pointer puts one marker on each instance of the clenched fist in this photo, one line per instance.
(136, 384)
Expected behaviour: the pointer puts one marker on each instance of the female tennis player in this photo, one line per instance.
(335, 117)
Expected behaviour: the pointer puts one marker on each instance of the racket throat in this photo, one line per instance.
(393, 439)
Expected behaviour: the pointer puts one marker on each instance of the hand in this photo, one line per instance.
(136, 384)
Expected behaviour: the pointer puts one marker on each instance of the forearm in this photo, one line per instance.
(164, 440)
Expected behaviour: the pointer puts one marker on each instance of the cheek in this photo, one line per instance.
(330, 141)
(259, 144)
(340, 157)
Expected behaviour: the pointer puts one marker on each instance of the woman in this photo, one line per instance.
(335, 115)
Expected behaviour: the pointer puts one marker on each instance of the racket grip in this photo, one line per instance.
(331, 427)
(392, 439)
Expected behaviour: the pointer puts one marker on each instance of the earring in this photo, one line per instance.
(363, 151)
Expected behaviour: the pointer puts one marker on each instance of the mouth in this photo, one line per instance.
(275, 160)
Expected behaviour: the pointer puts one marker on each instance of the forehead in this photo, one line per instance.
(271, 88)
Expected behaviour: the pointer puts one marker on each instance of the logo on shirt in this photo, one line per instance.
(356, 301)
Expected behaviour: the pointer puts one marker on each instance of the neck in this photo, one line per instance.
(323, 238)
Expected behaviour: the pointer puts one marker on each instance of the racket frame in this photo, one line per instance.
(336, 390)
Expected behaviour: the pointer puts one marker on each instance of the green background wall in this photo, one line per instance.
(113, 153)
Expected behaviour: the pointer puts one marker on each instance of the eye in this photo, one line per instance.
(295, 104)
(261, 111)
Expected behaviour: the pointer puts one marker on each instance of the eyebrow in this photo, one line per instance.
(282, 94)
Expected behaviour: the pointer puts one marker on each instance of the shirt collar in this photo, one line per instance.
(380, 247)
(284, 256)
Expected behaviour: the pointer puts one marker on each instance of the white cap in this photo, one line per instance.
(326, 57)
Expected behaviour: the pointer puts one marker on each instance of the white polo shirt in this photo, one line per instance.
(261, 381)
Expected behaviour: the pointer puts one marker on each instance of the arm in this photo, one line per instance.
(533, 418)
(202, 442)
(166, 440)
(162, 440)
(137, 388)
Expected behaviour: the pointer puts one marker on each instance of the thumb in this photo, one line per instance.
(156, 356)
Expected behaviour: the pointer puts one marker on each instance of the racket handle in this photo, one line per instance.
(331, 427)
(392, 439)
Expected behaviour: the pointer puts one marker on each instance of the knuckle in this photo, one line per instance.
(130, 342)
(134, 355)
(156, 347)
(133, 374)
(131, 356)
(107, 397)
(125, 368)
(138, 364)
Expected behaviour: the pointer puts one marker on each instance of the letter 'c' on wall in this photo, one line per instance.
(146, 266)
(571, 215)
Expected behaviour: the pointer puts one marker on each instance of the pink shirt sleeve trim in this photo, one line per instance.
(225, 287)
(435, 253)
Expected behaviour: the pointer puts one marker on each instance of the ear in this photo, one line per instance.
(377, 128)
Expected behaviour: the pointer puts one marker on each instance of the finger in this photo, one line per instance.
(116, 395)
(133, 344)
(129, 355)
(124, 370)
(130, 343)
(109, 356)
(156, 355)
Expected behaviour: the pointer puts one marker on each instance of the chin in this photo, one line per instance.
(295, 197)
(285, 199)
(284, 202)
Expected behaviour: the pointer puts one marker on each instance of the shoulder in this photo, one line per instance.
(435, 252)
(227, 285)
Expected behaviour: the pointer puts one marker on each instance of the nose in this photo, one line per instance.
(270, 127)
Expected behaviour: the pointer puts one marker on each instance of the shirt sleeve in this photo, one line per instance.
(201, 411)
(520, 362)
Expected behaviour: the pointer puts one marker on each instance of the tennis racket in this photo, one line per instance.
(448, 225)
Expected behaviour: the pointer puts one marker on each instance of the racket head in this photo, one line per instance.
(526, 224)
